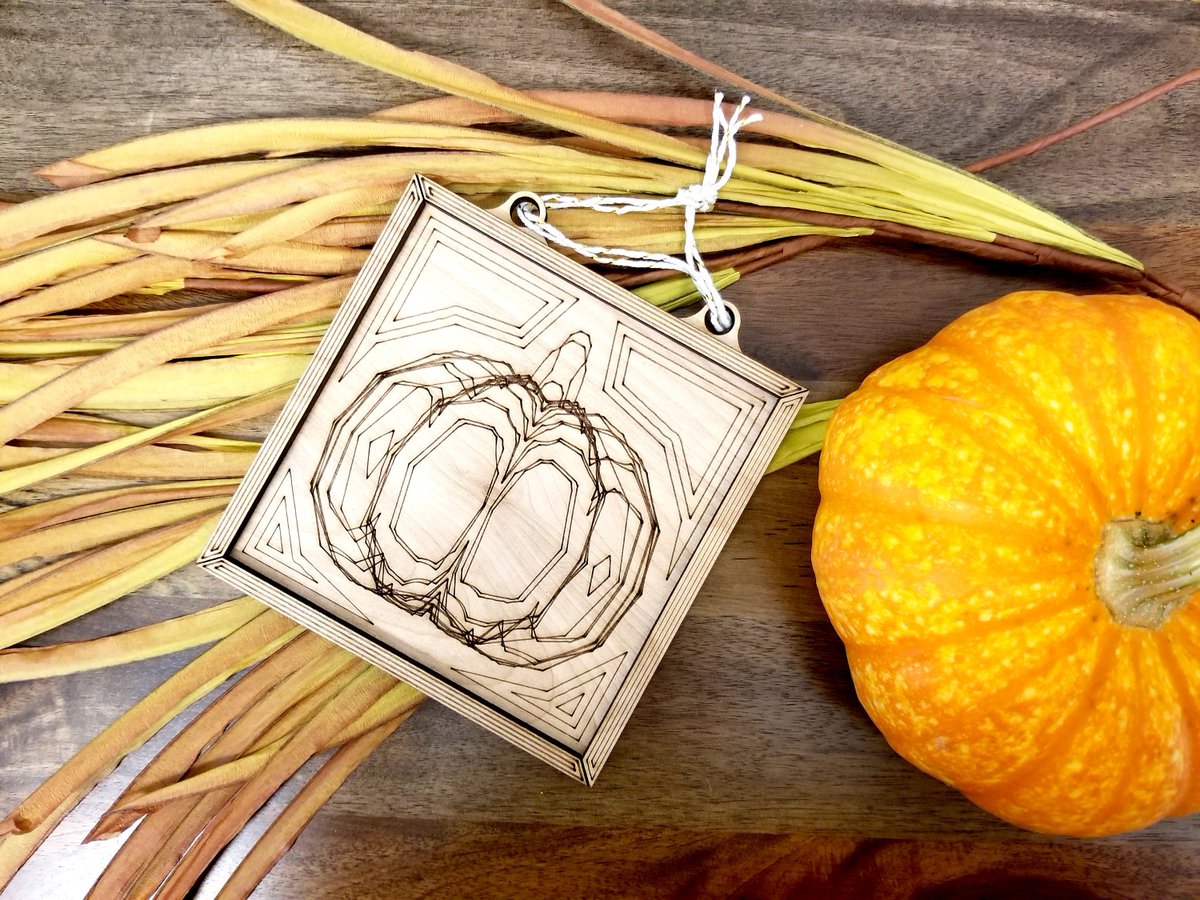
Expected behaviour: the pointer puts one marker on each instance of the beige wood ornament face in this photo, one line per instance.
(542, 524)
(503, 479)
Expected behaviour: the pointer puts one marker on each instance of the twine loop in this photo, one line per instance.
(692, 198)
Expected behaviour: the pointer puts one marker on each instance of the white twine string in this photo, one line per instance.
(694, 198)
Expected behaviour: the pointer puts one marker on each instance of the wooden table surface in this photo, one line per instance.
(749, 767)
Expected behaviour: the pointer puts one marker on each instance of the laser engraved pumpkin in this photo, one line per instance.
(490, 502)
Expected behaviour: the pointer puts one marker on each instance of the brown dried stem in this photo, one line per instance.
(1003, 249)
(1105, 115)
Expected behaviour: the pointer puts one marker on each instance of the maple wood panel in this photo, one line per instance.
(503, 479)
(749, 765)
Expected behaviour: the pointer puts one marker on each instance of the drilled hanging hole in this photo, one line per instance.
(711, 325)
(528, 204)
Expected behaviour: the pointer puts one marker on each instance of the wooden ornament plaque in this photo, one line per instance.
(503, 479)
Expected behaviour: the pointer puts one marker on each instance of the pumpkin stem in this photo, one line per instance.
(561, 373)
(1145, 571)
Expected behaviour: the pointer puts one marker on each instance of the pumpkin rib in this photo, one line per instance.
(1191, 714)
(1179, 628)
(1144, 369)
(1091, 316)
(1042, 419)
(877, 702)
(1137, 722)
(1138, 365)
(1059, 739)
(1005, 695)
(1185, 501)
(869, 495)
(1121, 496)
(988, 438)
(1069, 591)
(1005, 691)
(1017, 533)
(910, 645)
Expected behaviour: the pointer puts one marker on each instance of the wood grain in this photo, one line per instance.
(749, 768)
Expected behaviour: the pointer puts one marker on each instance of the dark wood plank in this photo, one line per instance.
(662, 863)
(775, 781)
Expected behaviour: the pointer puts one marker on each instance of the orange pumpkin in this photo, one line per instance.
(1007, 545)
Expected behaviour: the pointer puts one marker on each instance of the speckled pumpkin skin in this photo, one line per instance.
(964, 487)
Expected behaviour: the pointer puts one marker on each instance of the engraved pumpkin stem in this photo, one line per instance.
(1145, 571)
(561, 373)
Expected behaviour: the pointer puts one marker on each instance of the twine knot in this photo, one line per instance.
(701, 196)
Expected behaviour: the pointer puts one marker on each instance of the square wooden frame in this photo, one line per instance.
(225, 557)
